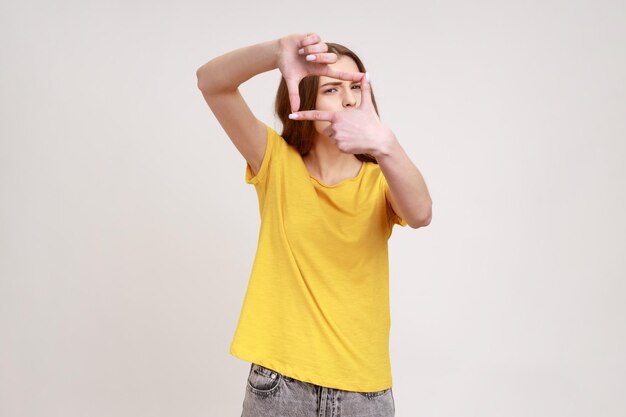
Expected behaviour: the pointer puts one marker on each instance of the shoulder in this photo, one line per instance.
(373, 171)
(276, 141)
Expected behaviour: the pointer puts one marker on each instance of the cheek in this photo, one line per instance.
(328, 102)
(321, 103)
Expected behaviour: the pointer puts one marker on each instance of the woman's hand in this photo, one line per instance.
(294, 66)
(354, 131)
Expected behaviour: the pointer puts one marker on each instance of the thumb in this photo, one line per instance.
(366, 92)
(294, 95)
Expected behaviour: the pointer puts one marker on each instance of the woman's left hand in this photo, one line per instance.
(354, 131)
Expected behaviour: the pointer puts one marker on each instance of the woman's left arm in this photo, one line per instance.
(361, 131)
(407, 193)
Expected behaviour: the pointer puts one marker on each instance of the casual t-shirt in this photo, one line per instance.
(317, 304)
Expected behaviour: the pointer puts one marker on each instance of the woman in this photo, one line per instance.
(315, 318)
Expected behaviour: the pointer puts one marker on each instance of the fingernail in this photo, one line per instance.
(311, 57)
(293, 116)
(367, 76)
(301, 51)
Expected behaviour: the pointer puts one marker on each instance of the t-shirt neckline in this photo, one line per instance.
(347, 180)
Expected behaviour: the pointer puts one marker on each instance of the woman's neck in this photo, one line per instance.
(328, 164)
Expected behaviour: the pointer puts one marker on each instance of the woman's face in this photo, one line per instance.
(337, 95)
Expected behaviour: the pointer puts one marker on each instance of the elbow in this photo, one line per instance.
(209, 81)
(205, 77)
(416, 224)
(201, 79)
(423, 219)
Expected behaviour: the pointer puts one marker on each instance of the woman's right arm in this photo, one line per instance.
(219, 80)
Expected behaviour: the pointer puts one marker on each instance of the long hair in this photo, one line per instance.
(299, 134)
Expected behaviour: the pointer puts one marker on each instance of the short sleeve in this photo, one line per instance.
(259, 178)
(392, 217)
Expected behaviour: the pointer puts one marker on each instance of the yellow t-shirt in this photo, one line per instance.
(317, 304)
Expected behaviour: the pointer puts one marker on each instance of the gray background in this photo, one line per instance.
(127, 232)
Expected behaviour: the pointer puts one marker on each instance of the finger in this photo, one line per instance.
(314, 49)
(309, 39)
(366, 92)
(294, 95)
(313, 115)
(343, 75)
(324, 58)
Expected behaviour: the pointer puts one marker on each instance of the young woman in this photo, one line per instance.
(315, 318)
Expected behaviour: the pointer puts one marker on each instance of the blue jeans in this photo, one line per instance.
(272, 394)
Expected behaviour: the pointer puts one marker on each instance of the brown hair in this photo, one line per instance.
(299, 133)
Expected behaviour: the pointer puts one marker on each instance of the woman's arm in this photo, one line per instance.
(219, 80)
(361, 131)
(407, 193)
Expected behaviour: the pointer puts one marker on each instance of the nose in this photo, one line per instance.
(349, 99)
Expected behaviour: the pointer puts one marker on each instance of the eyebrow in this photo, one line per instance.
(334, 83)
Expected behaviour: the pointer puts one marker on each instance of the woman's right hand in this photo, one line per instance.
(294, 66)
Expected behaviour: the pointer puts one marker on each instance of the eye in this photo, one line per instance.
(329, 90)
(357, 86)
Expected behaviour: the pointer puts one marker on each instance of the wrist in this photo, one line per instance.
(285, 46)
(273, 48)
(387, 144)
